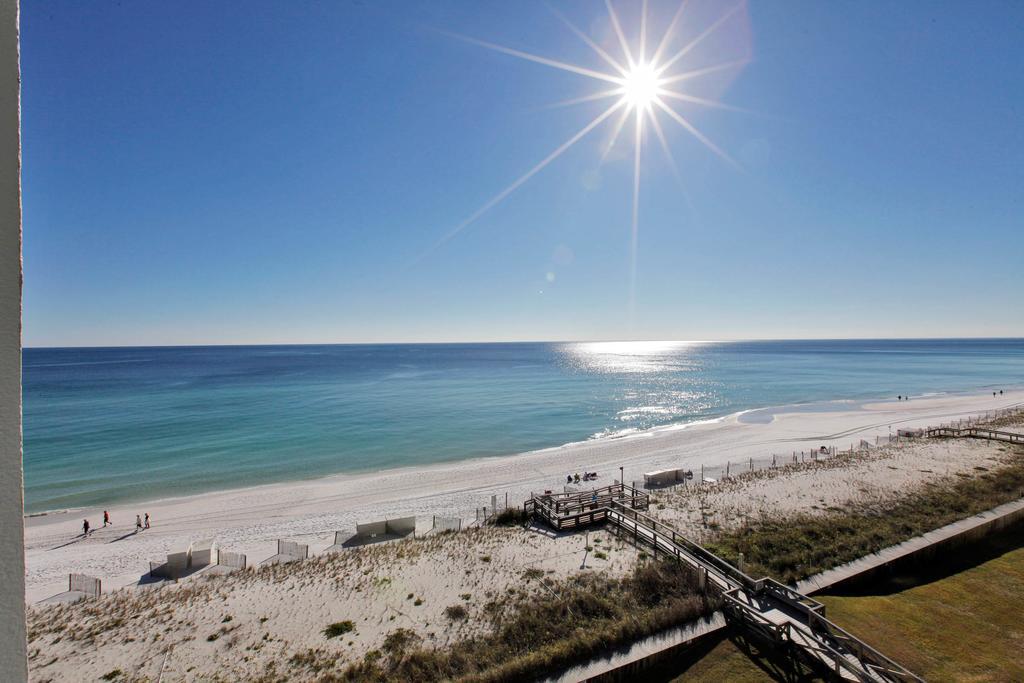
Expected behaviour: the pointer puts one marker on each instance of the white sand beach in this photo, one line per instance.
(249, 520)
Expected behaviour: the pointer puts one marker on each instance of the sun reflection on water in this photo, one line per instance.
(658, 382)
(631, 356)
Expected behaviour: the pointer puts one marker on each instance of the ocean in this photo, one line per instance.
(112, 425)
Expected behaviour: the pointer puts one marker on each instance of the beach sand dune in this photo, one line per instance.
(235, 626)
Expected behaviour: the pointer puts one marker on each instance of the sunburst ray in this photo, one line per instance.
(643, 32)
(667, 36)
(601, 52)
(683, 97)
(635, 225)
(619, 125)
(564, 66)
(498, 198)
(696, 73)
(697, 134)
(617, 27)
(604, 94)
(696, 41)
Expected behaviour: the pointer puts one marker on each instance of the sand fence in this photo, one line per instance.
(200, 555)
(666, 477)
(440, 525)
(192, 559)
(718, 472)
(228, 562)
(341, 542)
(80, 587)
(377, 532)
(288, 551)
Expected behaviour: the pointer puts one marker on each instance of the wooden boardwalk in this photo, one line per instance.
(976, 433)
(790, 620)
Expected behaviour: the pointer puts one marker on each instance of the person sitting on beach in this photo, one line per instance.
(85, 527)
(576, 479)
(138, 524)
(568, 479)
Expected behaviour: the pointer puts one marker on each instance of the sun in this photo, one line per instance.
(641, 86)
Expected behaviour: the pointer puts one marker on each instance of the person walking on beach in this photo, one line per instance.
(147, 520)
(138, 524)
(85, 527)
(106, 519)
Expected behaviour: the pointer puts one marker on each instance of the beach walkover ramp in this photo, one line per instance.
(976, 433)
(790, 620)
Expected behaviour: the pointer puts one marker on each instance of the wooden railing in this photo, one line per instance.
(564, 511)
(976, 433)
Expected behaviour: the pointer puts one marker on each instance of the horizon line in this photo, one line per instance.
(517, 341)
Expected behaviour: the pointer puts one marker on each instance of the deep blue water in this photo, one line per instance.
(115, 424)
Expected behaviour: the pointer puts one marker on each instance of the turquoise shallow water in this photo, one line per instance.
(110, 425)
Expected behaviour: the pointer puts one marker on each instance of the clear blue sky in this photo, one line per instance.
(272, 172)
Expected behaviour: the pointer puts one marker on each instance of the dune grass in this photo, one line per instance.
(534, 635)
(793, 547)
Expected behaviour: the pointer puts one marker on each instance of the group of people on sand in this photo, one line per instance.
(139, 523)
(575, 479)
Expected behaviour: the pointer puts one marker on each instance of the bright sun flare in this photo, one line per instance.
(640, 82)
(641, 86)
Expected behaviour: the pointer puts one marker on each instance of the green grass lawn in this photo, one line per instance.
(725, 663)
(967, 626)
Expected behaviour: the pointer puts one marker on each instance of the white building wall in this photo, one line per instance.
(13, 663)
